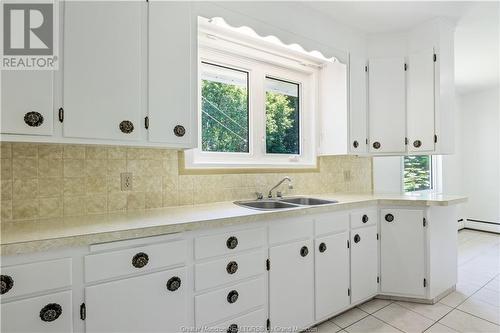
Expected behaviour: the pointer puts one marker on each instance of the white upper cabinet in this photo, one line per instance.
(27, 102)
(357, 105)
(103, 60)
(172, 74)
(387, 121)
(420, 101)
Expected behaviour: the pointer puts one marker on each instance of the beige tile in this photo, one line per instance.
(466, 323)
(6, 168)
(74, 152)
(50, 187)
(6, 190)
(96, 185)
(96, 152)
(349, 317)
(136, 201)
(115, 185)
(440, 328)
(24, 150)
(370, 324)
(481, 309)
(147, 184)
(136, 153)
(431, 311)
(74, 167)
(154, 200)
(50, 168)
(74, 205)
(487, 295)
(6, 210)
(5, 150)
(186, 197)
(374, 305)
(116, 167)
(50, 151)
(25, 189)
(117, 202)
(170, 199)
(96, 168)
(96, 204)
(462, 292)
(74, 186)
(117, 153)
(23, 168)
(326, 327)
(403, 319)
(51, 207)
(170, 183)
(170, 167)
(25, 209)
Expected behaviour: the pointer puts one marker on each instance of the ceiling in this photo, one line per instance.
(476, 38)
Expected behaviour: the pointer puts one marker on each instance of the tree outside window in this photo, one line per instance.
(417, 175)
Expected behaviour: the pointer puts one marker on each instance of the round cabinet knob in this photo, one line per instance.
(417, 143)
(126, 126)
(355, 144)
(174, 283)
(232, 267)
(389, 217)
(179, 130)
(357, 238)
(304, 251)
(232, 242)
(232, 296)
(322, 247)
(233, 328)
(33, 119)
(6, 284)
(50, 312)
(365, 218)
(140, 260)
(376, 145)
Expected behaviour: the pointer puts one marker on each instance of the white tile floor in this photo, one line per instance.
(473, 308)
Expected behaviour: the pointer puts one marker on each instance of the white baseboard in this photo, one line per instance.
(483, 226)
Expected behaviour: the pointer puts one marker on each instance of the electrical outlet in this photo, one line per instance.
(126, 181)
(347, 175)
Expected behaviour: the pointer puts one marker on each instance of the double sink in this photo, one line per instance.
(284, 203)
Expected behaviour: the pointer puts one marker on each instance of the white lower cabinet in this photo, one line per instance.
(154, 302)
(331, 274)
(364, 263)
(49, 313)
(251, 322)
(291, 285)
(402, 244)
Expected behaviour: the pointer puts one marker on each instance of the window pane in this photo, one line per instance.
(417, 173)
(224, 117)
(282, 117)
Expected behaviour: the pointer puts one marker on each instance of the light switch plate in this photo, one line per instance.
(126, 181)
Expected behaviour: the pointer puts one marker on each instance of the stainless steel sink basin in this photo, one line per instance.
(305, 201)
(265, 204)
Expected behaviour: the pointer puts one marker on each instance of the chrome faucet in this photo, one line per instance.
(290, 186)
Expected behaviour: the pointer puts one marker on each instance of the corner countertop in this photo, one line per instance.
(48, 234)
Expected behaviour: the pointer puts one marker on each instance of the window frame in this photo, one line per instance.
(259, 65)
(436, 179)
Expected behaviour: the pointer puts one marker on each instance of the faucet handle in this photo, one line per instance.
(259, 195)
(279, 194)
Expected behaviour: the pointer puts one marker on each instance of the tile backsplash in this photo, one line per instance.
(55, 180)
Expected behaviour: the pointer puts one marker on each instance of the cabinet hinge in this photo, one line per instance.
(268, 324)
(435, 57)
(146, 122)
(406, 141)
(268, 264)
(425, 283)
(83, 311)
(406, 67)
(378, 279)
(425, 222)
(377, 236)
(366, 68)
(348, 244)
(435, 138)
(366, 140)
(61, 114)
(348, 292)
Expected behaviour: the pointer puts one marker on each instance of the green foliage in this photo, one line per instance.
(282, 133)
(417, 173)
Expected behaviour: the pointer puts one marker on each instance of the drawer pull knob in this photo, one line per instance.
(233, 328)
(232, 242)
(33, 119)
(179, 130)
(389, 217)
(376, 145)
(355, 144)
(232, 267)
(304, 251)
(365, 218)
(50, 312)
(6, 284)
(174, 283)
(417, 143)
(140, 260)
(126, 126)
(357, 238)
(232, 296)
(322, 247)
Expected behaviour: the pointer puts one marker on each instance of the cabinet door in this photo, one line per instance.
(146, 303)
(421, 101)
(103, 52)
(291, 285)
(172, 73)
(331, 274)
(364, 263)
(402, 245)
(387, 107)
(357, 105)
(27, 102)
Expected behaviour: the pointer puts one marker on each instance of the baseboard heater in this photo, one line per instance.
(481, 225)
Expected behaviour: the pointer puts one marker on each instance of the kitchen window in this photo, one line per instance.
(420, 173)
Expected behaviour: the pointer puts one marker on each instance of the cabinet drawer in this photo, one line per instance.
(144, 258)
(252, 322)
(364, 217)
(290, 230)
(229, 269)
(214, 306)
(331, 223)
(26, 315)
(37, 277)
(229, 242)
